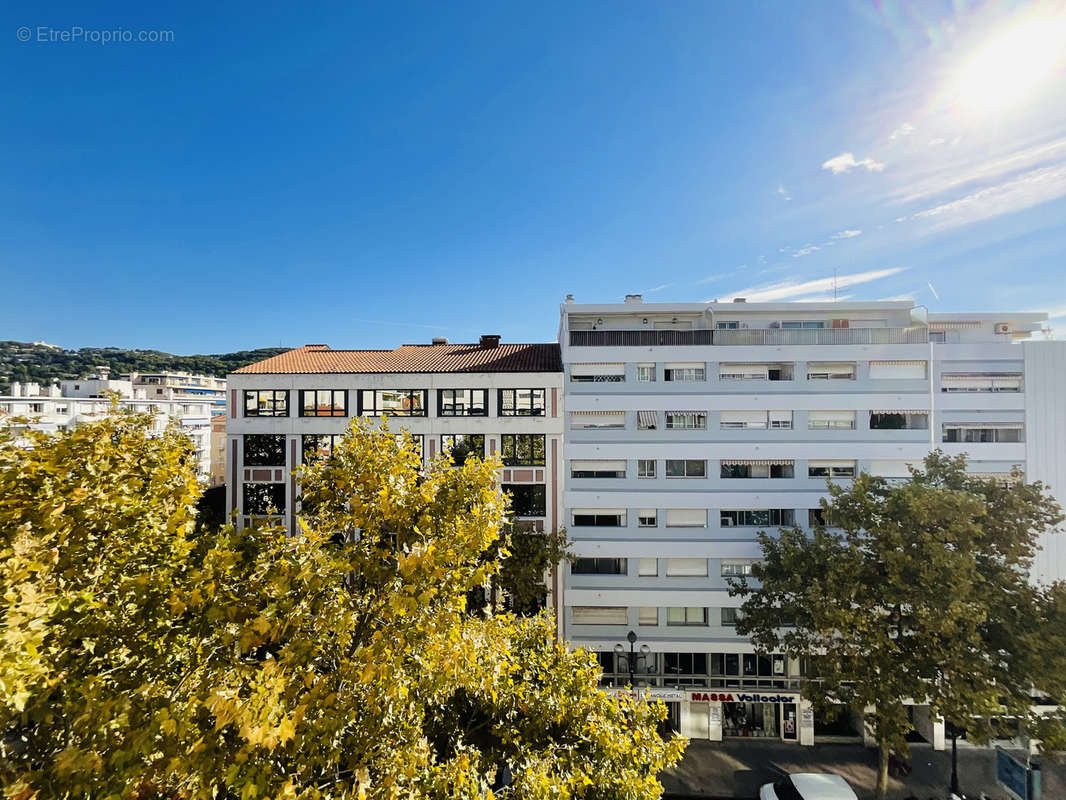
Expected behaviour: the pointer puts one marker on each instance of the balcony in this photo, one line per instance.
(748, 337)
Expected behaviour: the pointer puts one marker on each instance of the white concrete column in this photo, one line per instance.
(806, 723)
(714, 724)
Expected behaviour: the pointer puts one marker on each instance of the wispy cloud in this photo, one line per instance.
(722, 275)
(658, 288)
(906, 296)
(849, 234)
(930, 285)
(824, 298)
(1056, 312)
(784, 290)
(846, 162)
(906, 129)
(806, 250)
(783, 192)
(1021, 192)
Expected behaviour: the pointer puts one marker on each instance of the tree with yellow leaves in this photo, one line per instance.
(143, 657)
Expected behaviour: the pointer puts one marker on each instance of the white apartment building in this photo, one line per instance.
(72, 402)
(503, 399)
(692, 426)
(182, 386)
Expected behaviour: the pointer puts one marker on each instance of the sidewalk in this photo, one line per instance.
(737, 768)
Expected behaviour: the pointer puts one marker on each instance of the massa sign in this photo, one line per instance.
(741, 697)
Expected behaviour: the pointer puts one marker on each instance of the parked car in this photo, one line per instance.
(808, 786)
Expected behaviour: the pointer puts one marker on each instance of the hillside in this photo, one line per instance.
(37, 361)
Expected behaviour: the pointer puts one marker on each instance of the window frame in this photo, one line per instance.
(601, 565)
(686, 463)
(279, 438)
(515, 410)
(535, 489)
(687, 622)
(514, 461)
(445, 445)
(471, 404)
(375, 410)
(642, 463)
(277, 488)
(697, 416)
(274, 400)
(308, 438)
(332, 393)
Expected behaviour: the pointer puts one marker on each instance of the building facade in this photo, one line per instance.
(182, 386)
(503, 399)
(691, 427)
(73, 402)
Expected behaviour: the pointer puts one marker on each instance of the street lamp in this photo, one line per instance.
(631, 660)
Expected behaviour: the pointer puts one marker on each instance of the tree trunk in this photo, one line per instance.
(882, 769)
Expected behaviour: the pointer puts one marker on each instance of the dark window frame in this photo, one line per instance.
(527, 499)
(309, 439)
(599, 566)
(515, 410)
(515, 439)
(332, 403)
(284, 393)
(445, 443)
(248, 496)
(484, 407)
(279, 442)
(374, 410)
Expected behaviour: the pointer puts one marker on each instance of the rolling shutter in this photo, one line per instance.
(600, 615)
(686, 567)
(686, 518)
(595, 370)
(897, 369)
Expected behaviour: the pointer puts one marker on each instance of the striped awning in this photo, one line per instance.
(942, 326)
(597, 413)
(897, 363)
(1008, 426)
(647, 419)
(899, 410)
(733, 462)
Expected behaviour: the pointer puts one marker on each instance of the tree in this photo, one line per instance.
(144, 656)
(921, 591)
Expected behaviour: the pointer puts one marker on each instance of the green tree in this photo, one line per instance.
(144, 656)
(918, 590)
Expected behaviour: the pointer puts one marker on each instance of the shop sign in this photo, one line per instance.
(741, 697)
(652, 694)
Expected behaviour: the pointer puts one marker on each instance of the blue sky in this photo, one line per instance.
(371, 175)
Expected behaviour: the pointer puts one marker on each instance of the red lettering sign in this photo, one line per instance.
(713, 697)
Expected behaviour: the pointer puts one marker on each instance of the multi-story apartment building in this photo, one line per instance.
(182, 386)
(73, 402)
(690, 427)
(503, 399)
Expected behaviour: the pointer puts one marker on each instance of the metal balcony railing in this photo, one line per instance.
(747, 337)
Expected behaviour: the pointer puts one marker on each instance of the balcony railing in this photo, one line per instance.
(745, 337)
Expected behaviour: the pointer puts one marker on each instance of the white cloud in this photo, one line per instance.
(806, 250)
(783, 192)
(906, 129)
(658, 288)
(720, 275)
(849, 234)
(907, 296)
(786, 289)
(1023, 191)
(846, 162)
(1058, 312)
(826, 298)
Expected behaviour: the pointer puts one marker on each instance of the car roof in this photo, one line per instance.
(822, 786)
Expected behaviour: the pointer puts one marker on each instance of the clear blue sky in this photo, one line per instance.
(367, 176)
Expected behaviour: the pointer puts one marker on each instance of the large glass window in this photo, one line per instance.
(686, 616)
(264, 498)
(898, 420)
(602, 519)
(393, 402)
(527, 499)
(323, 403)
(468, 444)
(685, 663)
(521, 403)
(318, 446)
(599, 566)
(753, 518)
(685, 468)
(686, 420)
(462, 402)
(989, 434)
(264, 450)
(522, 449)
(645, 467)
(270, 403)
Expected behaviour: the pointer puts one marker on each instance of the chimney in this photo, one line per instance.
(440, 340)
(569, 298)
(634, 298)
(16, 389)
(489, 341)
(740, 299)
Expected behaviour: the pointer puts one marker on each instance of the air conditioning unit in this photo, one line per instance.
(1002, 327)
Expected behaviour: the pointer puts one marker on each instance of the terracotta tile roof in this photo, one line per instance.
(319, 359)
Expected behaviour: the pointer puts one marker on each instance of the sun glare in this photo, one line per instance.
(1010, 65)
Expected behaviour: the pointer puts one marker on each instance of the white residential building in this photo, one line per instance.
(72, 402)
(692, 426)
(505, 399)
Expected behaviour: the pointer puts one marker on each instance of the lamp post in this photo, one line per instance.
(631, 660)
(954, 762)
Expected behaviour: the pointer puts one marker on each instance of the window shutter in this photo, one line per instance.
(594, 370)
(597, 466)
(648, 567)
(827, 417)
(744, 418)
(686, 567)
(686, 518)
(600, 615)
(897, 369)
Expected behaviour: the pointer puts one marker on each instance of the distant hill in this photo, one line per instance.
(43, 363)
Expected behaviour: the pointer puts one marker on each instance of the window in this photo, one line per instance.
(757, 469)
(599, 566)
(416, 440)
(646, 468)
(600, 518)
(686, 567)
(685, 373)
(755, 372)
(646, 373)
(521, 403)
(898, 370)
(61, 409)
(462, 402)
(938, 337)
(472, 444)
(597, 420)
(264, 450)
(686, 518)
(730, 616)
(759, 420)
(648, 567)
(597, 373)
(647, 615)
(830, 420)
(527, 499)
(685, 468)
(685, 663)
(646, 518)
(647, 420)
(830, 469)
(38, 408)
(753, 518)
(981, 382)
(599, 615)
(522, 449)
(272, 403)
(736, 569)
(318, 446)
(393, 402)
(899, 420)
(597, 469)
(686, 420)
(727, 326)
(983, 433)
(817, 371)
(264, 498)
(803, 324)
(323, 403)
(686, 615)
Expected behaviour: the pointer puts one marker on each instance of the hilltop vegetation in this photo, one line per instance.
(43, 363)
